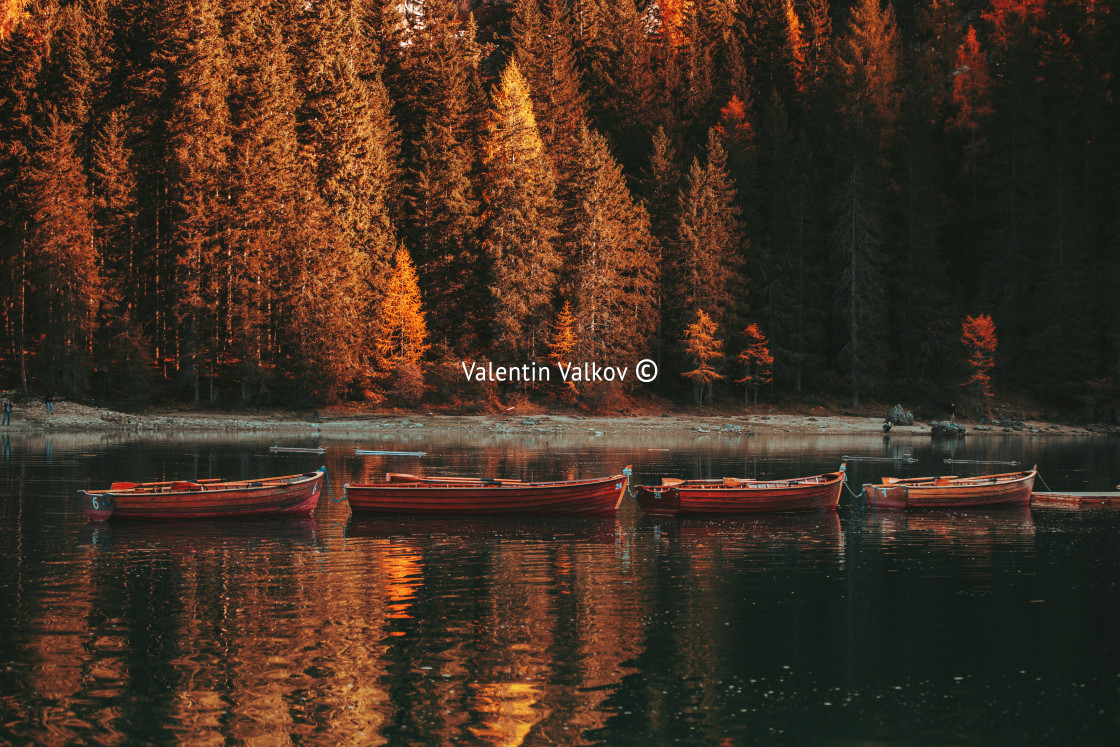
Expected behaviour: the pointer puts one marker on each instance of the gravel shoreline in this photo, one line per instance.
(31, 416)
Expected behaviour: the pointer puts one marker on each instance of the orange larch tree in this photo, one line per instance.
(703, 351)
(757, 362)
(978, 335)
(563, 341)
(401, 334)
(521, 214)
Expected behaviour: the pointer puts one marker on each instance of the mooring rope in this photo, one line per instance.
(854, 493)
(330, 490)
(1040, 477)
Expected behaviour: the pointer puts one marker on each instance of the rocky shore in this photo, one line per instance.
(32, 416)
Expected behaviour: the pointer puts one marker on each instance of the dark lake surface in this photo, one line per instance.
(860, 627)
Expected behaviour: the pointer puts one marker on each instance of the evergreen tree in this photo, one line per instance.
(61, 260)
(869, 62)
(971, 84)
(23, 56)
(345, 121)
(199, 133)
(660, 189)
(786, 261)
(270, 181)
(1016, 170)
(445, 237)
(546, 59)
(124, 356)
(859, 301)
(440, 110)
(707, 254)
(612, 269)
(521, 220)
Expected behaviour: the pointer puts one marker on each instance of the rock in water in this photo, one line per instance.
(946, 429)
(899, 416)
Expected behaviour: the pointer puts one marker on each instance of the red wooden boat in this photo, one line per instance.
(467, 495)
(731, 495)
(1008, 489)
(206, 499)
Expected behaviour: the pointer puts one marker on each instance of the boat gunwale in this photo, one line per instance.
(209, 485)
(481, 483)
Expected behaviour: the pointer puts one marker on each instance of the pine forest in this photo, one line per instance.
(260, 203)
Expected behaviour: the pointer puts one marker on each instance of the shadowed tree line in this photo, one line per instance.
(256, 202)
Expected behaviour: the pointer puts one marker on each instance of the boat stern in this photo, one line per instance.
(97, 506)
(884, 496)
(658, 500)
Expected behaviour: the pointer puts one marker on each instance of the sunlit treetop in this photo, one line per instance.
(11, 12)
(674, 21)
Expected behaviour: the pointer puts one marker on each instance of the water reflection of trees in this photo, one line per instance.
(492, 633)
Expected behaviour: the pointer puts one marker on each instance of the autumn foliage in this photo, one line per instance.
(401, 333)
(978, 335)
(756, 360)
(205, 201)
(11, 11)
(703, 351)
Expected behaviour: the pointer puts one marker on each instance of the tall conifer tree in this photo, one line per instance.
(706, 258)
(613, 269)
(869, 61)
(62, 259)
(199, 132)
(521, 220)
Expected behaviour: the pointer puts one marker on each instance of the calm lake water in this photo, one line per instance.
(857, 627)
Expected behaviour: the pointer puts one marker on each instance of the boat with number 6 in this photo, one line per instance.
(409, 494)
(731, 495)
(206, 499)
(1007, 489)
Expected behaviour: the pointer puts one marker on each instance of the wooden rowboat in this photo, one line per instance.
(206, 499)
(1008, 489)
(1073, 499)
(731, 495)
(466, 495)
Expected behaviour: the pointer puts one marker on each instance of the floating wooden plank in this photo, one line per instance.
(372, 452)
(850, 458)
(298, 449)
(1076, 498)
(973, 461)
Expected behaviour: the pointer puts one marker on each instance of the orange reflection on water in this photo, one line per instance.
(402, 569)
(501, 632)
(509, 711)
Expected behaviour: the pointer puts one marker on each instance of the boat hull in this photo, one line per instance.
(597, 497)
(818, 493)
(283, 496)
(993, 491)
